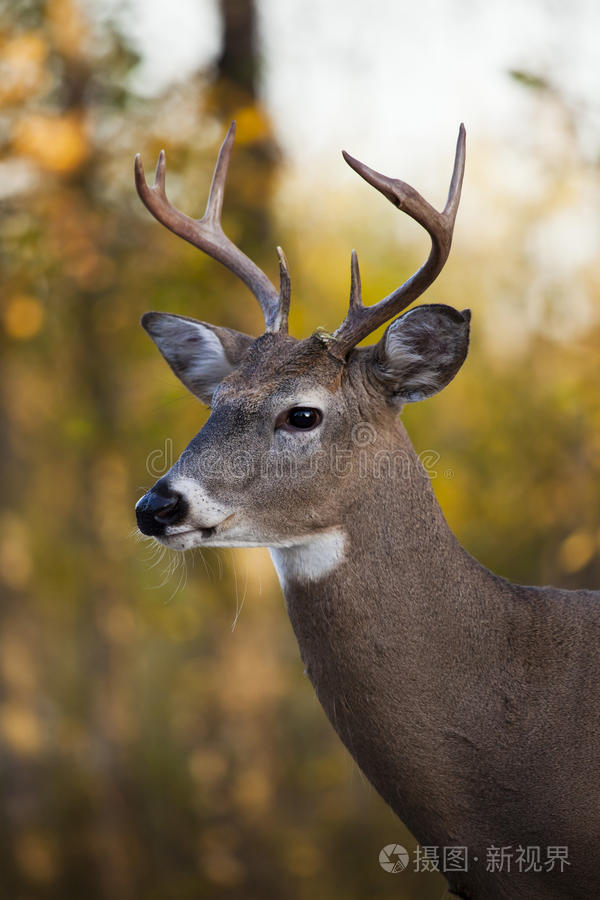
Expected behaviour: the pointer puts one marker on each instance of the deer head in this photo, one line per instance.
(284, 411)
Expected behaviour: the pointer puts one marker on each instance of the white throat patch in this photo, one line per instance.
(311, 558)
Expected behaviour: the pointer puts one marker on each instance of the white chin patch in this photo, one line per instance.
(185, 541)
(311, 558)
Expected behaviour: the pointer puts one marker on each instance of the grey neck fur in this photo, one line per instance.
(433, 671)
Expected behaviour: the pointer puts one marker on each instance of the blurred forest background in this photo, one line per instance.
(148, 749)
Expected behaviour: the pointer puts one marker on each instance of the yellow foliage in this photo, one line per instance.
(207, 767)
(68, 27)
(576, 551)
(23, 317)
(16, 664)
(56, 143)
(218, 858)
(20, 728)
(15, 558)
(21, 67)
(36, 856)
(252, 792)
(117, 623)
(303, 858)
(91, 271)
(252, 124)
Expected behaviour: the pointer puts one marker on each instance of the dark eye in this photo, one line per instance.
(300, 418)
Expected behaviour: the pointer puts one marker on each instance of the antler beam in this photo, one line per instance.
(207, 234)
(362, 320)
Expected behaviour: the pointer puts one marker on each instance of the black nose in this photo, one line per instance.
(160, 507)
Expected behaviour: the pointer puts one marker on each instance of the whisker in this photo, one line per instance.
(180, 563)
(170, 569)
(238, 605)
(204, 563)
(159, 552)
(235, 583)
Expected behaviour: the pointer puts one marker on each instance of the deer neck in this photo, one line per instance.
(390, 550)
(379, 603)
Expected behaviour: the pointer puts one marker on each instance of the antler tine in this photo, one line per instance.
(207, 234)
(362, 320)
(285, 293)
(355, 285)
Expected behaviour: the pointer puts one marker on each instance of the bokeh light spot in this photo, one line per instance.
(23, 317)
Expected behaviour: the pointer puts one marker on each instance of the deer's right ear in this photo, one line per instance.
(421, 351)
(201, 355)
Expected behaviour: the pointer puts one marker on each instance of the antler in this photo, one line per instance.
(207, 234)
(362, 320)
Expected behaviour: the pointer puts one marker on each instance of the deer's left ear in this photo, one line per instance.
(421, 351)
(201, 355)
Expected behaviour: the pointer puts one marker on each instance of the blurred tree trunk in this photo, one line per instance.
(238, 61)
(236, 94)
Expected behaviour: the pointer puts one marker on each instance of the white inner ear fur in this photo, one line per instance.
(311, 558)
(203, 358)
(194, 351)
(419, 377)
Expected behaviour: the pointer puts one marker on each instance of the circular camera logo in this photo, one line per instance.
(393, 858)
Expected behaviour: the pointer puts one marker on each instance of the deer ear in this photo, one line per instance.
(201, 355)
(421, 351)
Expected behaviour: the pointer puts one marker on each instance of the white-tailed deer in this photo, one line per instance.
(472, 704)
